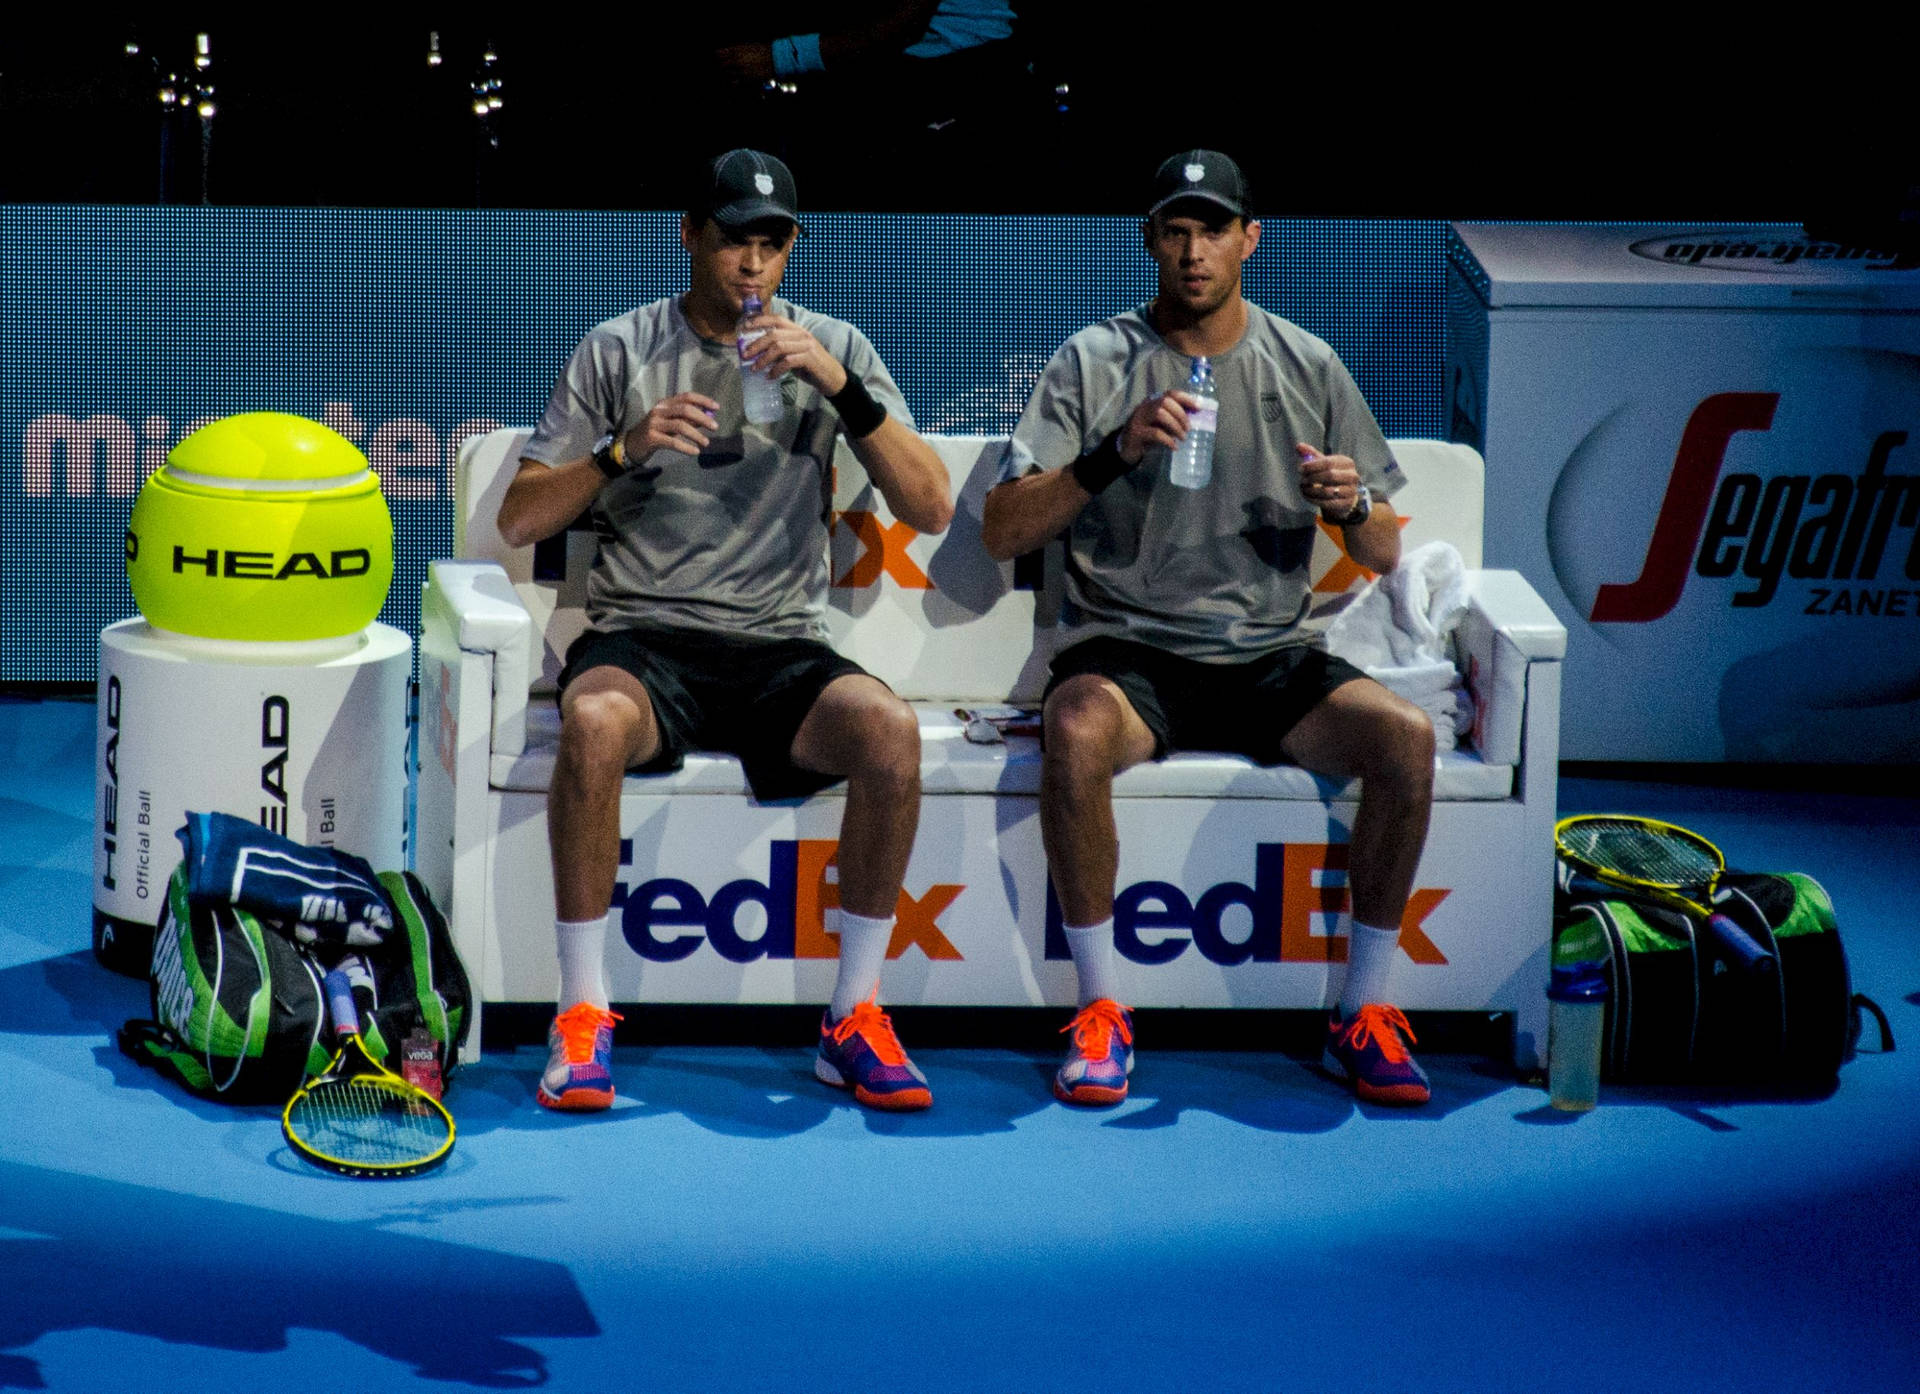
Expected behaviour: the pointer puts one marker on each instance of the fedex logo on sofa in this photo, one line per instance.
(665, 919)
(1295, 885)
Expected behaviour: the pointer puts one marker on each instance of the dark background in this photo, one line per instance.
(1627, 114)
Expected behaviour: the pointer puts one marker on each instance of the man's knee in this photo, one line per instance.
(893, 738)
(884, 734)
(1083, 724)
(1403, 744)
(600, 734)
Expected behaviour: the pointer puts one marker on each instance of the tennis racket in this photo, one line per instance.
(359, 1118)
(1665, 863)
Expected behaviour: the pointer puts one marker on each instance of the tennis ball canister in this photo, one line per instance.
(261, 526)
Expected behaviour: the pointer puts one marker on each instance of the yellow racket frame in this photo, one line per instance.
(373, 1076)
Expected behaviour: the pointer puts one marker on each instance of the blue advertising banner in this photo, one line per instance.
(408, 331)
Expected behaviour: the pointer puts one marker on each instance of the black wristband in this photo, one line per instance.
(1101, 465)
(610, 457)
(859, 413)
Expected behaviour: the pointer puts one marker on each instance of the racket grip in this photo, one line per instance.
(1739, 948)
(346, 1016)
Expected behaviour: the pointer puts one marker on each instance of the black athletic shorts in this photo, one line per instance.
(1243, 708)
(745, 697)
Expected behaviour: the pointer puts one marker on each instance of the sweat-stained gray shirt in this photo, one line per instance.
(733, 541)
(1219, 574)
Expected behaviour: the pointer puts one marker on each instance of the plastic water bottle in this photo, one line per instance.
(1576, 1013)
(1192, 466)
(762, 393)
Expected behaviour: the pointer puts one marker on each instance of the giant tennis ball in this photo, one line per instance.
(261, 526)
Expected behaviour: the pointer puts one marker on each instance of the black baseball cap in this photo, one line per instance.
(746, 186)
(1204, 175)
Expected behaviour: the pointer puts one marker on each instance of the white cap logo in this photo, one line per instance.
(764, 183)
(1195, 173)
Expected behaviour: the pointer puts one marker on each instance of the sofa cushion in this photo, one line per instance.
(951, 764)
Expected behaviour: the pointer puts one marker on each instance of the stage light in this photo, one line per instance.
(202, 51)
(433, 48)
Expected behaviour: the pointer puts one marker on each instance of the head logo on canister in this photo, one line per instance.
(261, 526)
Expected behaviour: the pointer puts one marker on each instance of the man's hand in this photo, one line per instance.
(1160, 420)
(679, 422)
(1330, 482)
(786, 347)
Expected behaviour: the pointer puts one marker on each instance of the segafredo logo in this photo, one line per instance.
(1296, 887)
(1760, 252)
(1831, 530)
(666, 919)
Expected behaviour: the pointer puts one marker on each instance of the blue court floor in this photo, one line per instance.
(1240, 1223)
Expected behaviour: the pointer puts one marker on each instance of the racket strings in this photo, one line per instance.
(1647, 854)
(362, 1121)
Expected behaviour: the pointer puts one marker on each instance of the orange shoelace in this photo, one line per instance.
(874, 1024)
(579, 1025)
(1094, 1027)
(1378, 1021)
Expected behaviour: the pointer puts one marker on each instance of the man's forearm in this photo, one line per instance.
(543, 499)
(1023, 514)
(909, 474)
(1375, 544)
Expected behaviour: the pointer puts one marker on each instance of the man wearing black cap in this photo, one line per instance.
(1186, 604)
(708, 599)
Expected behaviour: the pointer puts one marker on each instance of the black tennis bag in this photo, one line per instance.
(239, 1010)
(1679, 1013)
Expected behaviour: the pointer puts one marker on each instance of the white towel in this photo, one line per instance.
(1399, 630)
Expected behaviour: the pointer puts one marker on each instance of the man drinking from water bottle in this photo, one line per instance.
(708, 602)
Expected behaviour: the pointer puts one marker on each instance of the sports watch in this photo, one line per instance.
(610, 456)
(1358, 514)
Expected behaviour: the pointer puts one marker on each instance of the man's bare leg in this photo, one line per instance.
(858, 729)
(1362, 729)
(1092, 733)
(606, 725)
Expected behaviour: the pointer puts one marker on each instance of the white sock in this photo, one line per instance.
(863, 949)
(1093, 960)
(583, 956)
(1370, 952)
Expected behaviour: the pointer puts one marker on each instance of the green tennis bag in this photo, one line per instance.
(1677, 1012)
(239, 1013)
(239, 1007)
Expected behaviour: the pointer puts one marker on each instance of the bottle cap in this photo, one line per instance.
(1578, 983)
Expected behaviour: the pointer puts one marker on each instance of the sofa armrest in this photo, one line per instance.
(481, 610)
(1507, 626)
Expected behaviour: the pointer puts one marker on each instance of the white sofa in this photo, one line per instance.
(1228, 872)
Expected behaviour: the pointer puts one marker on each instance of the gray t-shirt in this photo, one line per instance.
(1221, 573)
(732, 541)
